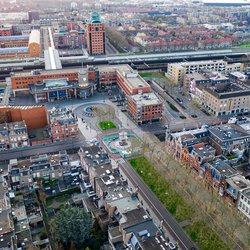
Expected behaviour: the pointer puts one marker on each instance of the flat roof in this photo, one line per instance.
(45, 72)
(246, 192)
(131, 76)
(52, 59)
(13, 38)
(238, 182)
(228, 132)
(146, 99)
(14, 50)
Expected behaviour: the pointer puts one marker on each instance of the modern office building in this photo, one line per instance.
(95, 35)
(144, 108)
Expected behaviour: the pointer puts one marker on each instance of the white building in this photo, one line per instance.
(244, 203)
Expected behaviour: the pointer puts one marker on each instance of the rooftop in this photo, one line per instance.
(34, 37)
(146, 99)
(238, 182)
(227, 90)
(45, 72)
(14, 50)
(246, 192)
(205, 151)
(228, 132)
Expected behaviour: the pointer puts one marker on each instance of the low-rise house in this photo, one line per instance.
(216, 172)
(13, 135)
(228, 138)
(235, 184)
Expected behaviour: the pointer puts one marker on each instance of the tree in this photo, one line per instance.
(72, 225)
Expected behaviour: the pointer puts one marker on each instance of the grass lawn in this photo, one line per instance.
(146, 75)
(106, 125)
(183, 117)
(199, 231)
(173, 107)
(245, 45)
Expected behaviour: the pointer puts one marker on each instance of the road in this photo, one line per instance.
(160, 211)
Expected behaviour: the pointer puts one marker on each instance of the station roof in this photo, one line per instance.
(52, 59)
(13, 38)
(14, 50)
(34, 37)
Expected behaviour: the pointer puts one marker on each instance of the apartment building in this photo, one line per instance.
(226, 99)
(13, 135)
(244, 203)
(6, 30)
(177, 71)
(63, 123)
(95, 35)
(72, 39)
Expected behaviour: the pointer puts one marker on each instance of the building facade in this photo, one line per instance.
(177, 71)
(95, 35)
(63, 124)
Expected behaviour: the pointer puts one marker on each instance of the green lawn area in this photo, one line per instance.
(173, 107)
(106, 125)
(231, 157)
(199, 231)
(245, 45)
(146, 74)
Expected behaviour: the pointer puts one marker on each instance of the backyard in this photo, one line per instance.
(198, 230)
(105, 125)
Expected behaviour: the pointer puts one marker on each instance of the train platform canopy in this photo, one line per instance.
(13, 38)
(14, 50)
(52, 59)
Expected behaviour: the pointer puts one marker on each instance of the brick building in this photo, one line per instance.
(6, 30)
(21, 81)
(63, 124)
(19, 47)
(143, 105)
(68, 39)
(95, 35)
(34, 116)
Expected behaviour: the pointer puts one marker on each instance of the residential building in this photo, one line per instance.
(63, 123)
(226, 99)
(14, 41)
(228, 138)
(177, 71)
(95, 35)
(244, 204)
(71, 39)
(13, 135)
(235, 185)
(6, 30)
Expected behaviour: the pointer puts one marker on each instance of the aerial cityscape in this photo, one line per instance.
(125, 125)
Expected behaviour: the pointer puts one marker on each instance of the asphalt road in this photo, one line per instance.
(160, 211)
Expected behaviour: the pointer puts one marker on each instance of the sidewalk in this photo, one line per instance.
(85, 129)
